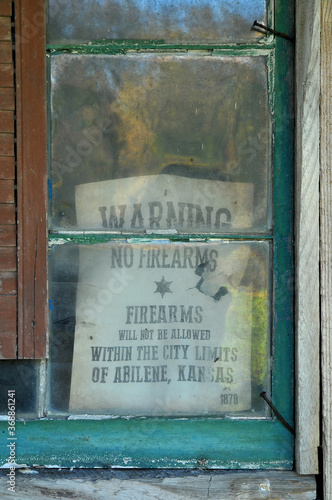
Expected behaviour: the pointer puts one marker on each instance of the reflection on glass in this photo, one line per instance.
(160, 328)
(208, 21)
(183, 142)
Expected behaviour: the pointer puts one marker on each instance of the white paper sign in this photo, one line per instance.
(164, 202)
(162, 329)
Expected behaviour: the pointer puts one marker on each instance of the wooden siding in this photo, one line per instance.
(8, 260)
(23, 310)
(30, 49)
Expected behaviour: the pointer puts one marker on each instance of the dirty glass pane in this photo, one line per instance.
(160, 328)
(208, 21)
(152, 141)
(19, 377)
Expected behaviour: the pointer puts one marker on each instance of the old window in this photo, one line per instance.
(170, 244)
(171, 225)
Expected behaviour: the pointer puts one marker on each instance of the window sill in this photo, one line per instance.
(172, 484)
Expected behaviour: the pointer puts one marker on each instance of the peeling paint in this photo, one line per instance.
(265, 486)
(15, 465)
(124, 46)
(28, 471)
(161, 231)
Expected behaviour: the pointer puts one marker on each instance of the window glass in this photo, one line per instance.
(160, 328)
(160, 142)
(181, 21)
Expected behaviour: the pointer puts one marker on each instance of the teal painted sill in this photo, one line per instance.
(172, 443)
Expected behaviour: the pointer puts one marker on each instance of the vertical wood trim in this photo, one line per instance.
(307, 235)
(31, 178)
(326, 240)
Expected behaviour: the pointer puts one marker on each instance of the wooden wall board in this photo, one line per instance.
(6, 7)
(5, 28)
(8, 235)
(7, 167)
(8, 283)
(6, 144)
(8, 258)
(8, 312)
(7, 98)
(7, 194)
(7, 214)
(7, 121)
(6, 52)
(6, 75)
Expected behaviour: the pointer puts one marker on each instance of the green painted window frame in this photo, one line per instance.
(202, 442)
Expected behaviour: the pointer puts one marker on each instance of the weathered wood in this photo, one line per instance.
(6, 121)
(8, 310)
(307, 236)
(8, 283)
(7, 214)
(326, 240)
(7, 167)
(7, 259)
(5, 28)
(6, 8)
(7, 98)
(6, 144)
(31, 181)
(171, 485)
(6, 75)
(7, 191)
(6, 54)
(8, 235)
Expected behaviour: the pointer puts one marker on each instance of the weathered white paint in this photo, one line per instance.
(240, 485)
(307, 235)
(326, 239)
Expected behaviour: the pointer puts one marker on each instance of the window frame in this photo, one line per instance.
(33, 211)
